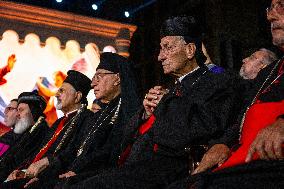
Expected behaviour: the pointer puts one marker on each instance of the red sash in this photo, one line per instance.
(51, 141)
(142, 130)
(259, 116)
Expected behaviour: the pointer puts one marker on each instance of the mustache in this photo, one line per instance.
(276, 25)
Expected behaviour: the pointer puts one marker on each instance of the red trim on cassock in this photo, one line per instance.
(144, 128)
(259, 116)
(51, 141)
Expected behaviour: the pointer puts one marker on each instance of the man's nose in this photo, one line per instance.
(161, 56)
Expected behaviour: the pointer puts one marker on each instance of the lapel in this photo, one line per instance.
(187, 84)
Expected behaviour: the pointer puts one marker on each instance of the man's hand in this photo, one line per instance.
(35, 168)
(11, 62)
(268, 142)
(216, 155)
(30, 182)
(152, 99)
(16, 174)
(67, 175)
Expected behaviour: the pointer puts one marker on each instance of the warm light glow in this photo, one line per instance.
(34, 61)
(109, 48)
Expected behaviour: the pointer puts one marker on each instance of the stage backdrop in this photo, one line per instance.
(46, 42)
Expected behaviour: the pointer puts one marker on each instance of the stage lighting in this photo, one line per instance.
(126, 14)
(58, 1)
(133, 11)
(94, 7)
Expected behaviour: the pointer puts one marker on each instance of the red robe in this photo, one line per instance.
(256, 119)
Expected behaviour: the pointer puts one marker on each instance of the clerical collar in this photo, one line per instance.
(182, 77)
(71, 113)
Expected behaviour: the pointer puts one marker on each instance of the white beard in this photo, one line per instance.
(243, 74)
(58, 104)
(22, 125)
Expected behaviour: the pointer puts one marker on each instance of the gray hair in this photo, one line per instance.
(271, 56)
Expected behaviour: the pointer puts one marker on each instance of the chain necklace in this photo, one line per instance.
(258, 93)
(193, 82)
(96, 126)
(39, 120)
(70, 128)
(198, 78)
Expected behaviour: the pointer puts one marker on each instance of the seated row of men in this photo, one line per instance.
(159, 145)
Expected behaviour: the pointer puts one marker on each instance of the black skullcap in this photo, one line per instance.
(187, 27)
(80, 82)
(181, 26)
(37, 103)
(111, 61)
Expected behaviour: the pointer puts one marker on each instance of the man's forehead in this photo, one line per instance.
(23, 105)
(169, 39)
(260, 53)
(66, 86)
(13, 104)
(102, 71)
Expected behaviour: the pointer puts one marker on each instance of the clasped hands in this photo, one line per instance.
(33, 170)
(152, 99)
(268, 144)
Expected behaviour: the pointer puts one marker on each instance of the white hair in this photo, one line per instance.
(271, 56)
(22, 125)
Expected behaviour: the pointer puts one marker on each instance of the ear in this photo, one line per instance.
(78, 97)
(190, 50)
(117, 80)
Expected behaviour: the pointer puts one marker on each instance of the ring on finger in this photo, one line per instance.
(146, 96)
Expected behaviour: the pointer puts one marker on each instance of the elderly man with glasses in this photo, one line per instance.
(257, 161)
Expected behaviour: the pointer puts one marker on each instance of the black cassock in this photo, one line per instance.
(10, 138)
(256, 174)
(196, 114)
(91, 141)
(27, 145)
(68, 138)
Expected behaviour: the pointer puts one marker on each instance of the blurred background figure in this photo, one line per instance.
(6, 69)
(48, 91)
(10, 116)
(256, 62)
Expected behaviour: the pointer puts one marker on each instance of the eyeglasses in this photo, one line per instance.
(8, 109)
(278, 7)
(99, 76)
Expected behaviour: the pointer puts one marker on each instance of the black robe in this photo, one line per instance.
(256, 174)
(55, 154)
(10, 138)
(27, 145)
(199, 116)
(95, 157)
(102, 123)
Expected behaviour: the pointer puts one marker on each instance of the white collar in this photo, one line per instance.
(67, 114)
(182, 77)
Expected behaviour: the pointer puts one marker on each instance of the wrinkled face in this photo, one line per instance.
(66, 97)
(275, 14)
(105, 84)
(173, 54)
(24, 118)
(253, 64)
(11, 114)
